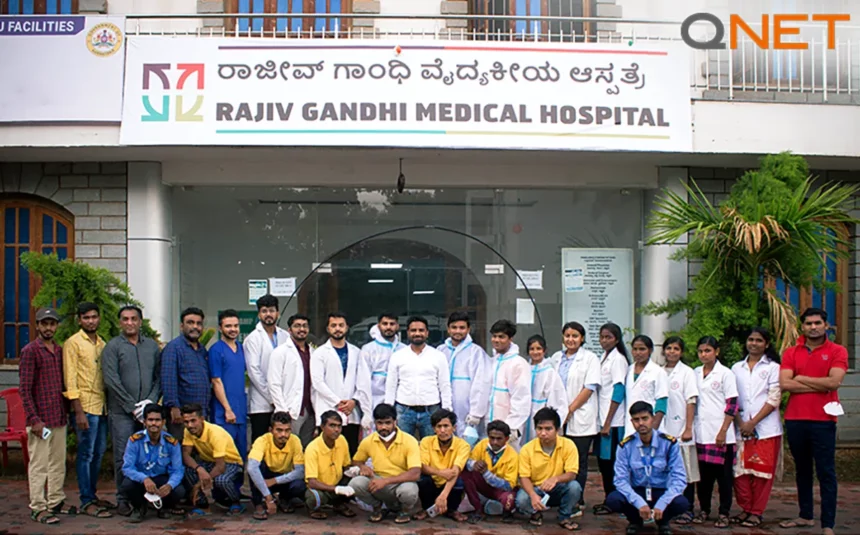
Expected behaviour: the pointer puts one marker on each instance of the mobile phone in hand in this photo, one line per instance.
(46, 432)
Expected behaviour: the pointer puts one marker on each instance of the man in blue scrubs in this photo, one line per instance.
(227, 370)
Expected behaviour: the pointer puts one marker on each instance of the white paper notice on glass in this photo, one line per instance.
(282, 287)
(525, 312)
(257, 288)
(574, 280)
(533, 280)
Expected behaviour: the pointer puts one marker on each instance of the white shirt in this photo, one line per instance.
(682, 387)
(651, 385)
(258, 348)
(286, 377)
(613, 370)
(583, 371)
(418, 379)
(753, 386)
(714, 390)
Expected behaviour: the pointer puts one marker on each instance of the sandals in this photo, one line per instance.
(403, 518)
(63, 509)
(684, 519)
(236, 510)
(701, 518)
(378, 515)
(752, 521)
(722, 522)
(457, 516)
(44, 517)
(601, 510)
(797, 523)
(100, 512)
(260, 513)
(420, 515)
(197, 512)
(536, 520)
(106, 504)
(569, 524)
(344, 510)
(320, 515)
(475, 518)
(740, 519)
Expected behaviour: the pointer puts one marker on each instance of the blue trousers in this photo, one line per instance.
(618, 503)
(564, 496)
(239, 432)
(811, 441)
(416, 422)
(92, 444)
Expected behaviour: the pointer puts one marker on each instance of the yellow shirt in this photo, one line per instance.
(404, 454)
(213, 443)
(507, 467)
(326, 464)
(279, 461)
(82, 372)
(536, 465)
(431, 455)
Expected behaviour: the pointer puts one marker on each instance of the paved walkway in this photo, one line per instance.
(14, 519)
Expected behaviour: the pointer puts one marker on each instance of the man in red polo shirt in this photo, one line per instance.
(812, 372)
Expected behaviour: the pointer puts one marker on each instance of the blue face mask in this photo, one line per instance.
(470, 435)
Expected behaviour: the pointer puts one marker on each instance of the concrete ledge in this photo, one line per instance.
(608, 10)
(455, 7)
(92, 6)
(210, 6)
(366, 6)
(782, 96)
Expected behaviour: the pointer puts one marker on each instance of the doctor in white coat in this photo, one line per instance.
(547, 388)
(286, 384)
(469, 368)
(376, 354)
(258, 348)
(510, 390)
(338, 382)
(646, 381)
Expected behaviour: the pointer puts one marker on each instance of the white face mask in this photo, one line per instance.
(500, 450)
(389, 437)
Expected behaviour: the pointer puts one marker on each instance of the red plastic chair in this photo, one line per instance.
(16, 425)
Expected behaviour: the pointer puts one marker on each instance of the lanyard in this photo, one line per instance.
(648, 462)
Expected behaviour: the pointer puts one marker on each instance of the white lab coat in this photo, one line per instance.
(329, 386)
(585, 370)
(286, 379)
(470, 385)
(651, 385)
(714, 390)
(375, 356)
(753, 389)
(258, 348)
(613, 370)
(510, 392)
(682, 387)
(547, 391)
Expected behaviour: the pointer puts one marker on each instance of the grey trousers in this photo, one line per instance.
(304, 426)
(122, 426)
(399, 497)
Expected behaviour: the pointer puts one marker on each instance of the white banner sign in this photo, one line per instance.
(349, 92)
(61, 68)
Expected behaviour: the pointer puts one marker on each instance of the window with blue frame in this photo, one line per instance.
(38, 7)
(27, 223)
(288, 24)
(553, 30)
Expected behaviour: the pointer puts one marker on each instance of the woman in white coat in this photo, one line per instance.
(341, 385)
(680, 415)
(611, 409)
(646, 381)
(579, 370)
(547, 389)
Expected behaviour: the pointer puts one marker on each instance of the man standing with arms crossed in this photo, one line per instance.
(258, 348)
(812, 371)
(131, 366)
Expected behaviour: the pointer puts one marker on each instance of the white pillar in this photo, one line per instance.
(150, 244)
(662, 278)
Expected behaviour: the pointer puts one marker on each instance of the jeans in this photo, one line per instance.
(618, 503)
(416, 423)
(122, 426)
(564, 496)
(285, 491)
(813, 441)
(92, 444)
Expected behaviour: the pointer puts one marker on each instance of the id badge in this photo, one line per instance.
(648, 494)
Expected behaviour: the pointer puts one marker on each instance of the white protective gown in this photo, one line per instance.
(510, 392)
(547, 391)
(375, 356)
(329, 385)
(470, 382)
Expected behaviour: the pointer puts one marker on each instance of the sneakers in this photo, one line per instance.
(493, 508)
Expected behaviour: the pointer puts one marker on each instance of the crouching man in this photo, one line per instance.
(649, 475)
(396, 459)
(327, 463)
(276, 465)
(492, 472)
(152, 464)
(548, 466)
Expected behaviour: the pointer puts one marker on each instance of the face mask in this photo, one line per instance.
(388, 438)
(500, 450)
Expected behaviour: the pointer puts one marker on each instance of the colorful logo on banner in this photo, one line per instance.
(165, 73)
(104, 39)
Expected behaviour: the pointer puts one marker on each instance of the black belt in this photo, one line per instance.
(420, 408)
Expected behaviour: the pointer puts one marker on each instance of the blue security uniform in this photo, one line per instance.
(649, 475)
(162, 463)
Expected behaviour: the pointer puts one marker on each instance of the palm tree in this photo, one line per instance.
(776, 224)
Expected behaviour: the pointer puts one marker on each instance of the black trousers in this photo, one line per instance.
(583, 447)
(607, 466)
(618, 503)
(351, 432)
(428, 492)
(690, 494)
(134, 491)
(259, 424)
(809, 442)
(721, 474)
(285, 491)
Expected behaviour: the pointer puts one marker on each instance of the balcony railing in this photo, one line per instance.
(817, 74)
